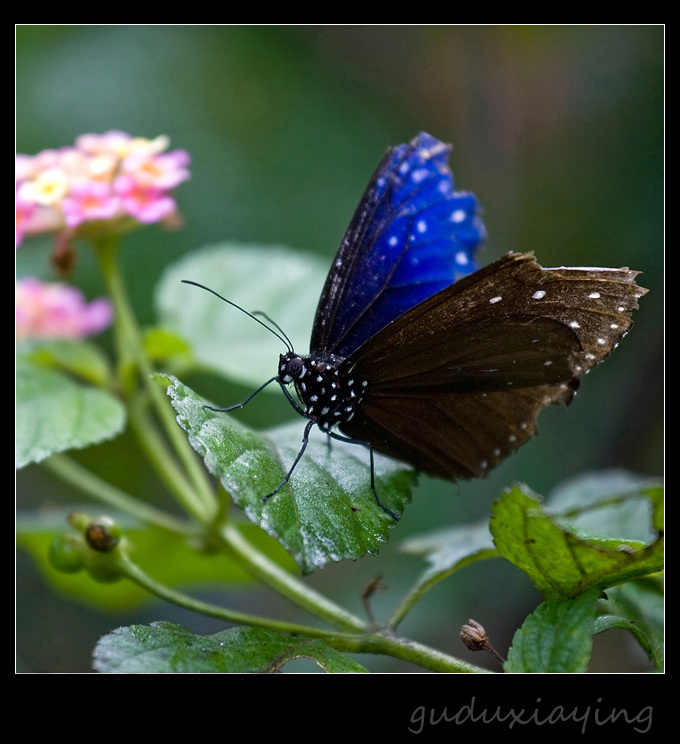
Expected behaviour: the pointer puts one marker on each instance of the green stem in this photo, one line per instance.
(248, 556)
(200, 500)
(358, 639)
(388, 644)
(161, 458)
(410, 600)
(139, 577)
(422, 588)
(286, 584)
(101, 490)
(401, 610)
(375, 642)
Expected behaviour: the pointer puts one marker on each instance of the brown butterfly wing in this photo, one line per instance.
(456, 384)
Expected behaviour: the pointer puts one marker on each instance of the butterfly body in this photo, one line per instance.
(330, 394)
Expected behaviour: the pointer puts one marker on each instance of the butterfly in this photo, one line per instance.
(419, 354)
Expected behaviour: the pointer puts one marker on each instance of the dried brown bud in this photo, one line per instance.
(474, 637)
(63, 256)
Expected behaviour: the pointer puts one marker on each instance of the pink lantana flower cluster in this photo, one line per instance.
(45, 310)
(103, 177)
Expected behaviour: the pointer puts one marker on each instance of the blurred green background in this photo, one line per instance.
(557, 129)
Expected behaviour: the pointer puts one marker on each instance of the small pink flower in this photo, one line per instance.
(142, 203)
(57, 311)
(48, 188)
(102, 177)
(90, 200)
(163, 171)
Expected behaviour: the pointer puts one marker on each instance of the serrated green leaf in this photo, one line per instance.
(164, 647)
(171, 558)
(265, 278)
(55, 414)
(556, 638)
(327, 511)
(561, 562)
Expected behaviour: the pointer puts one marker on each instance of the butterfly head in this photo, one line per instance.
(329, 392)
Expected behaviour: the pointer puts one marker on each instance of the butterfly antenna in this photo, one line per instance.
(277, 326)
(281, 336)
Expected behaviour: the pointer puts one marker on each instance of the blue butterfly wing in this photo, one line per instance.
(411, 236)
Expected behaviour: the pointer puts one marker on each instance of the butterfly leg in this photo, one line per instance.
(386, 509)
(291, 400)
(305, 442)
(243, 402)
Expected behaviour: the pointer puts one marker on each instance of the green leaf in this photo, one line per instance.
(450, 549)
(284, 284)
(79, 358)
(447, 550)
(565, 562)
(557, 637)
(326, 512)
(161, 344)
(612, 502)
(637, 606)
(170, 557)
(164, 647)
(55, 414)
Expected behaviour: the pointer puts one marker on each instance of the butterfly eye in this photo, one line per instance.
(294, 368)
